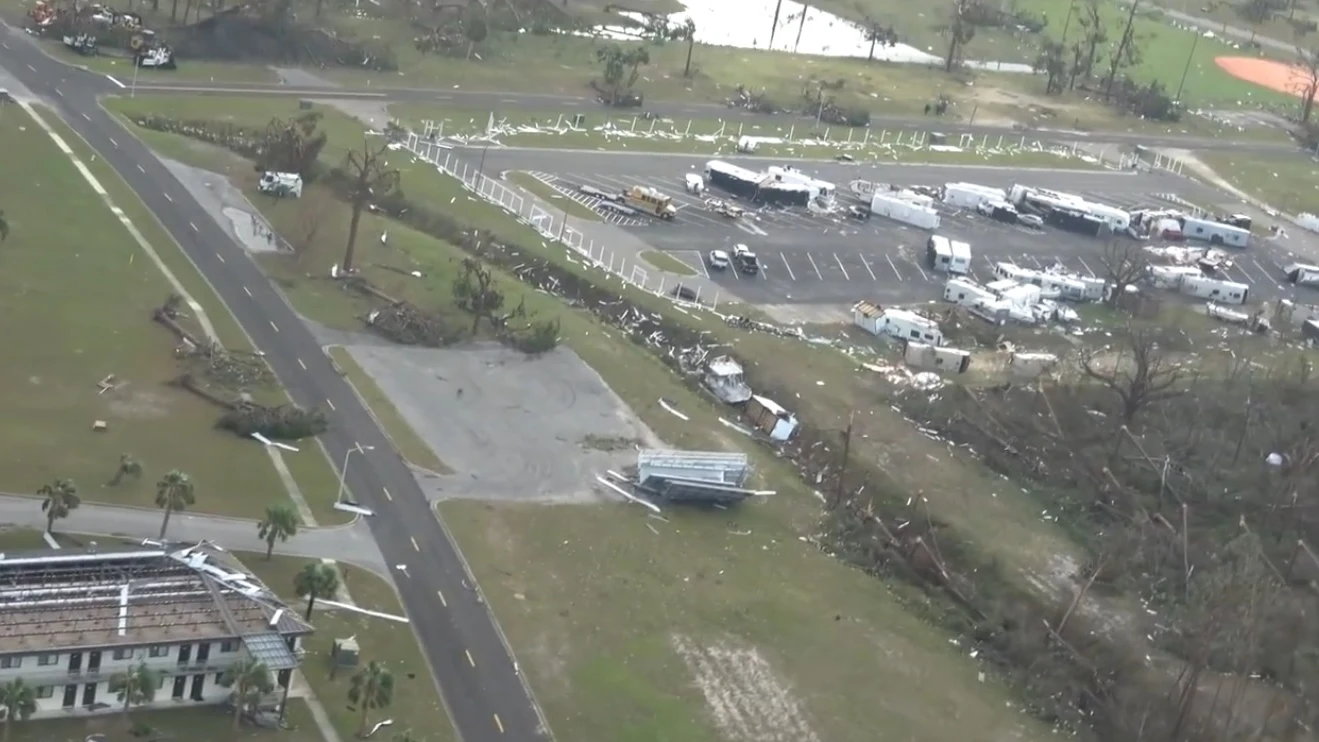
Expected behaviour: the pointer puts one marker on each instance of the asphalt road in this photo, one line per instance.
(486, 698)
(496, 101)
(831, 259)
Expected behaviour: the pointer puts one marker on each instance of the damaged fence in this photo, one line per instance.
(552, 224)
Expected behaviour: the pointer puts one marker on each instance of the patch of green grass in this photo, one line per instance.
(1289, 184)
(76, 295)
(310, 468)
(410, 445)
(666, 262)
(553, 196)
(417, 704)
(197, 724)
(188, 70)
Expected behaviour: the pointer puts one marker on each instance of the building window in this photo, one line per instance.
(11, 662)
(229, 645)
(48, 659)
(159, 650)
(123, 653)
(46, 691)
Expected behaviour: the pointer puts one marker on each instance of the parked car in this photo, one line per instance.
(1031, 220)
(718, 259)
(844, 157)
(746, 260)
(858, 212)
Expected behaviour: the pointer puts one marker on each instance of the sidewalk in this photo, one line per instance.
(350, 543)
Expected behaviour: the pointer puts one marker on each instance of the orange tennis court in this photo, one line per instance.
(1277, 76)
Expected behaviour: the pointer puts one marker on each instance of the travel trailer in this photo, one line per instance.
(1225, 292)
(948, 256)
(1302, 275)
(1215, 233)
(898, 210)
(896, 323)
(284, 185)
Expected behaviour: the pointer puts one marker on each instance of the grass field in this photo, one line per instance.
(666, 262)
(410, 445)
(540, 188)
(599, 616)
(417, 705)
(1289, 184)
(77, 296)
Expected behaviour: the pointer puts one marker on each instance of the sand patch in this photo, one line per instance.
(748, 701)
(1277, 76)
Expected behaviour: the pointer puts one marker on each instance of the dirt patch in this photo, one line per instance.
(139, 404)
(747, 699)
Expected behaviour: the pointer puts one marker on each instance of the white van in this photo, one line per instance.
(283, 185)
(695, 184)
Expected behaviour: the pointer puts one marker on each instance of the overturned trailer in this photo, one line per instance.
(701, 477)
(760, 188)
(900, 210)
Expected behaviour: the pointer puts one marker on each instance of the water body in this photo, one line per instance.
(725, 23)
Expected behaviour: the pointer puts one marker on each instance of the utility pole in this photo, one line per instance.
(1187, 68)
(804, 10)
(1071, 8)
(1121, 49)
(774, 28)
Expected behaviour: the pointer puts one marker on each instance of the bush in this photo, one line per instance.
(286, 422)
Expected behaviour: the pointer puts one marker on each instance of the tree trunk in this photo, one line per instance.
(366, 708)
(773, 29)
(50, 523)
(311, 601)
(164, 523)
(871, 56)
(187, 8)
(687, 70)
(238, 708)
(318, 8)
(476, 321)
(174, 11)
(352, 236)
(7, 722)
(270, 548)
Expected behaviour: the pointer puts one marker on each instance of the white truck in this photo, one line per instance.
(280, 185)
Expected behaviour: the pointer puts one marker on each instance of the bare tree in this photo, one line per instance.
(313, 211)
(1138, 373)
(1053, 63)
(369, 177)
(1125, 263)
(959, 31)
(1128, 52)
(1305, 80)
(1094, 34)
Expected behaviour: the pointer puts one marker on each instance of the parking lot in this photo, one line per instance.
(832, 258)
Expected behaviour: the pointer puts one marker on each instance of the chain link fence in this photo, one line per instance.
(553, 225)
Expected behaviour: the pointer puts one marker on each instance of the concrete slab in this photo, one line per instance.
(512, 428)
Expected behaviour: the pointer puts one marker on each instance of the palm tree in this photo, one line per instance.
(19, 701)
(136, 686)
(371, 687)
(316, 580)
(61, 500)
(250, 680)
(128, 467)
(280, 523)
(174, 492)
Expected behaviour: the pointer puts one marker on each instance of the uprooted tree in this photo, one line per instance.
(293, 145)
(1305, 80)
(475, 292)
(366, 177)
(1138, 372)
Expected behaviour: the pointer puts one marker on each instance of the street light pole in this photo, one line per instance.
(343, 470)
(1187, 68)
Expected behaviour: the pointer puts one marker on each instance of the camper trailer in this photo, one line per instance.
(1302, 275)
(1052, 284)
(903, 211)
(1171, 276)
(970, 195)
(948, 256)
(283, 185)
(896, 323)
(1224, 292)
(1215, 233)
(818, 188)
(967, 293)
(933, 358)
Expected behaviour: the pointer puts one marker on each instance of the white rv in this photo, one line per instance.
(283, 185)
(967, 293)
(1215, 233)
(970, 195)
(1302, 275)
(896, 323)
(906, 212)
(695, 184)
(948, 256)
(1225, 292)
(1053, 284)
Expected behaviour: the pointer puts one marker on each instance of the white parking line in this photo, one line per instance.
(1263, 271)
(1240, 265)
(816, 267)
(840, 267)
(918, 267)
(1036, 262)
(894, 266)
(1087, 268)
(784, 258)
(699, 263)
(870, 270)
